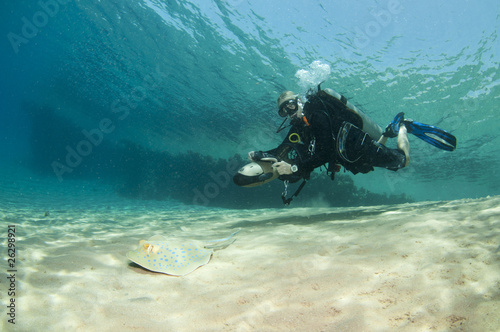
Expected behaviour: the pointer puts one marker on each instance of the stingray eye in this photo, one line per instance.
(148, 247)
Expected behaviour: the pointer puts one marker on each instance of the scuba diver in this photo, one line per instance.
(328, 129)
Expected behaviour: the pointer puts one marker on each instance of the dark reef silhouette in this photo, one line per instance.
(190, 177)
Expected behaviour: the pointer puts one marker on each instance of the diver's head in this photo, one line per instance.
(289, 104)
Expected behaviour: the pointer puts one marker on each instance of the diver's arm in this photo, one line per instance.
(257, 155)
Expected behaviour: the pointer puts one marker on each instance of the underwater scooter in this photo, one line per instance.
(259, 172)
(255, 174)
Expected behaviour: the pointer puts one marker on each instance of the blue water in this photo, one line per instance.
(135, 85)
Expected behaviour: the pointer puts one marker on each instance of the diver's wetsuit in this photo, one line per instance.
(318, 146)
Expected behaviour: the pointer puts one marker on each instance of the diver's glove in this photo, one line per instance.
(261, 156)
(283, 168)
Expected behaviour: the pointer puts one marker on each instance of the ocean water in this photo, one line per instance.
(107, 91)
(120, 120)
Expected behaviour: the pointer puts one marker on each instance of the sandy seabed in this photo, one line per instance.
(432, 266)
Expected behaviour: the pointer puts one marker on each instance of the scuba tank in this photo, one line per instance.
(367, 124)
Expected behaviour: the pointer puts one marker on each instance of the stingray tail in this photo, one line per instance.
(221, 243)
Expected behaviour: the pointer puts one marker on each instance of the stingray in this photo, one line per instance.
(176, 257)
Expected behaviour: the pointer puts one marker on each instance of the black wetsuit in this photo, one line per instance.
(318, 133)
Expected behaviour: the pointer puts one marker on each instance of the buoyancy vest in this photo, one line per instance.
(340, 111)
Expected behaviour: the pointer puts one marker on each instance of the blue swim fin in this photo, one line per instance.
(433, 135)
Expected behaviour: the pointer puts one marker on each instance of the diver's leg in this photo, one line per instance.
(382, 140)
(403, 143)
